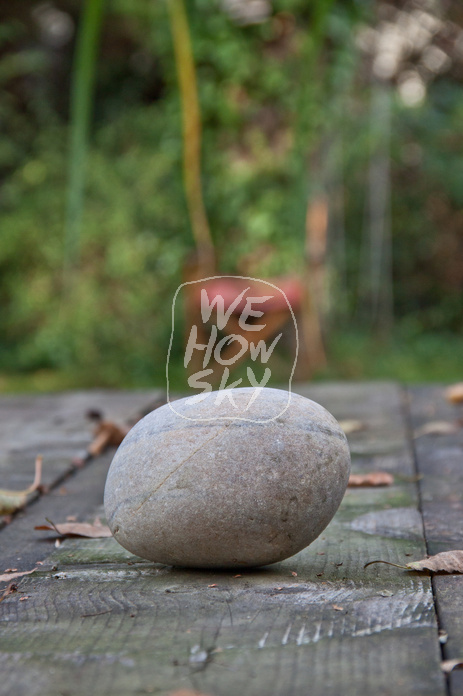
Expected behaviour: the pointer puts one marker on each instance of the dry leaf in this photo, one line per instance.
(454, 394)
(80, 529)
(374, 478)
(436, 428)
(12, 587)
(106, 434)
(336, 607)
(10, 576)
(11, 501)
(351, 426)
(445, 562)
(449, 665)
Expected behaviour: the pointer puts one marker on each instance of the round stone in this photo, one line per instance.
(244, 477)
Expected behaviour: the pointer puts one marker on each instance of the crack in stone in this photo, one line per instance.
(171, 473)
(203, 444)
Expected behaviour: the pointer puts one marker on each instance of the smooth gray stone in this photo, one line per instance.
(222, 492)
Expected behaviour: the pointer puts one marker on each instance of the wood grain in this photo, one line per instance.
(439, 460)
(99, 620)
(56, 427)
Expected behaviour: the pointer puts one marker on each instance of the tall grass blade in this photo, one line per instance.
(82, 87)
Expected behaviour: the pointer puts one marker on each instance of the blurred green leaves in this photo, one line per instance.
(276, 106)
(82, 85)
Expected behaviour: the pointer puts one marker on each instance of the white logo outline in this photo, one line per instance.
(231, 418)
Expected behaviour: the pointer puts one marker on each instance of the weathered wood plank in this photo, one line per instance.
(56, 427)
(63, 416)
(21, 546)
(110, 623)
(440, 461)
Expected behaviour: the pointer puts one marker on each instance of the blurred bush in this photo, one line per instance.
(286, 110)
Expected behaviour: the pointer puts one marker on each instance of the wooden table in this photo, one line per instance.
(92, 619)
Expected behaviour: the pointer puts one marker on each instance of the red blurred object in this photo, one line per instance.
(229, 288)
(293, 296)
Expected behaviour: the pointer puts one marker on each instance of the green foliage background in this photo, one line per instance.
(267, 104)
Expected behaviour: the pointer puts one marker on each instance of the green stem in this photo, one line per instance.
(82, 87)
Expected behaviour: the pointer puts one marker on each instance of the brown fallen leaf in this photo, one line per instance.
(97, 530)
(336, 607)
(437, 428)
(106, 434)
(9, 576)
(445, 562)
(454, 394)
(448, 666)
(11, 501)
(351, 426)
(374, 478)
(12, 587)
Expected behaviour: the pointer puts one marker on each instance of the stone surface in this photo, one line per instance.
(222, 485)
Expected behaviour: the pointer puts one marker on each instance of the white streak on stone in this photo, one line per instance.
(300, 636)
(286, 636)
